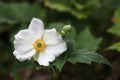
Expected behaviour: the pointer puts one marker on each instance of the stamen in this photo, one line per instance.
(39, 45)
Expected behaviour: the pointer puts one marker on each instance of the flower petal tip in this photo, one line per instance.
(36, 20)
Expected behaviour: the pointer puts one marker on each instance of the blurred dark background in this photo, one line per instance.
(96, 26)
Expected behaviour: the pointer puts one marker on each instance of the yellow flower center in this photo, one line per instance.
(39, 45)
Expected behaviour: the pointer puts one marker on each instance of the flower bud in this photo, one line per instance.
(67, 28)
(63, 33)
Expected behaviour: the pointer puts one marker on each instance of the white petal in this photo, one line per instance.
(23, 41)
(57, 49)
(26, 35)
(52, 37)
(37, 27)
(24, 56)
(44, 58)
(22, 46)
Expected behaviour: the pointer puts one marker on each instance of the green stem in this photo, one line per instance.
(54, 73)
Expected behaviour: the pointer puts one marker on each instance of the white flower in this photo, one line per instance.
(42, 45)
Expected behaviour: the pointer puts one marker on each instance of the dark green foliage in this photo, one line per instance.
(115, 46)
(115, 30)
(86, 40)
(74, 7)
(116, 20)
(83, 43)
(78, 56)
(20, 12)
(87, 56)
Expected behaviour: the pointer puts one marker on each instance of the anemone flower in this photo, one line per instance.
(41, 45)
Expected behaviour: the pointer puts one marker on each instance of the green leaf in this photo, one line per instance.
(115, 46)
(17, 12)
(59, 63)
(116, 28)
(86, 40)
(19, 66)
(74, 7)
(87, 56)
